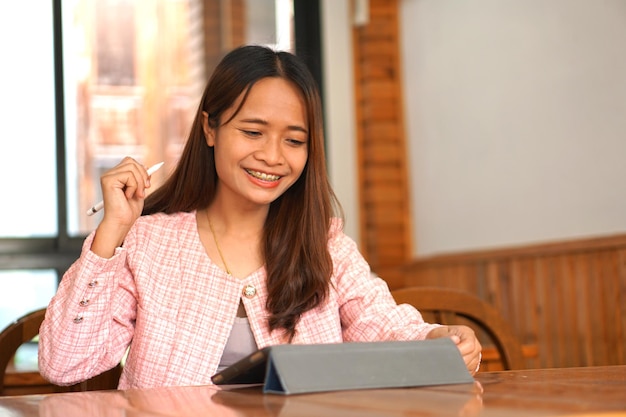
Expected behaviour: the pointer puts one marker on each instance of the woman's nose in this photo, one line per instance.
(271, 151)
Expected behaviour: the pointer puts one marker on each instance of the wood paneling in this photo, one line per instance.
(568, 299)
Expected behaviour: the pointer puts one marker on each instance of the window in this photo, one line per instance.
(133, 75)
(30, 290)
(27, 103)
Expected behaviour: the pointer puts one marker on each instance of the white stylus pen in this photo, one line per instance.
(99, 206)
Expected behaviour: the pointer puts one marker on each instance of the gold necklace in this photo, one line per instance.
(217, 245)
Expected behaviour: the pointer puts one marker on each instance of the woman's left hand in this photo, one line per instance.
(465, 340)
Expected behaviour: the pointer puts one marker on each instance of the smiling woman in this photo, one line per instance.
(118, 78)
(242, 247)
(266, 139)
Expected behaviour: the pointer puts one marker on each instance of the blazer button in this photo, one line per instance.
(249, 291)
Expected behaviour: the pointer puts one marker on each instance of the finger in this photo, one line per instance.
(121, 179)
(136, 178)
(124, 181)
(469, 344)
(132, 187)
(475, 364)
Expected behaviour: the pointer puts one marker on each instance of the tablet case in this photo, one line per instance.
(298, 369)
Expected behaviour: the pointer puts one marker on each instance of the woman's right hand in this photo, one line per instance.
(123, 190)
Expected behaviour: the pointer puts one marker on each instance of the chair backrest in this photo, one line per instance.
(450, 306)
(24, 330)
(15, 335)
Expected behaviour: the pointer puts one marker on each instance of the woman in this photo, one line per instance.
(238, 250)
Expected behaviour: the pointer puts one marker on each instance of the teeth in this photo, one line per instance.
(263, 176)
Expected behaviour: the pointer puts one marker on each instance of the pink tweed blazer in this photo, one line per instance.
(163, 297)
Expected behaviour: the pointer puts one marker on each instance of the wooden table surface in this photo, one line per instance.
(593, 391)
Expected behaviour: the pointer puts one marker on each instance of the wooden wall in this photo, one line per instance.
(567, 298)
(385, 225)
(224, 29)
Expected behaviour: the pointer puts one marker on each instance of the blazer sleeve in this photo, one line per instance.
(367, 309)
(89, 322)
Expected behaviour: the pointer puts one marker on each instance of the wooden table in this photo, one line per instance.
(594, 391)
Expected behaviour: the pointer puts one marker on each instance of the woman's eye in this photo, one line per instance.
(296, 142)
(251, 133)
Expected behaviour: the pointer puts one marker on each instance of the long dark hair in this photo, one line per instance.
(295, 236)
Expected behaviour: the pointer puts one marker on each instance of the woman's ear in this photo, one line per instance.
(209, 132)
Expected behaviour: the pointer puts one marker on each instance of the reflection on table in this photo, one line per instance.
(549, 392)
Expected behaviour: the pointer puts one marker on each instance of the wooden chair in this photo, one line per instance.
(23, 330)
(450, 306)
